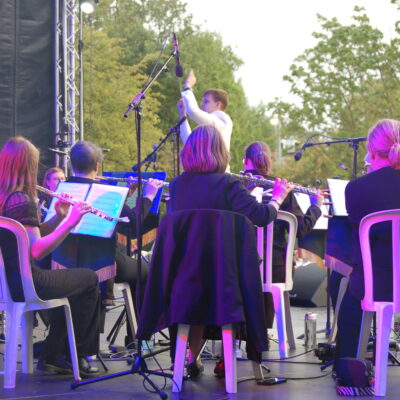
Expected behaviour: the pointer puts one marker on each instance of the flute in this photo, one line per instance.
(71, 201)
(269, 183)
(129, 180)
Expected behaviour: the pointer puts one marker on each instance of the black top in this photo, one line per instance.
(22, 208)
(217, 191)
(305, 224)
(376, 191)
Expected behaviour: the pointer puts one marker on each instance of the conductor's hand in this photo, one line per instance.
(181, 108)
(280, 190)
(77, 212)
(152, 187)
(190, 80)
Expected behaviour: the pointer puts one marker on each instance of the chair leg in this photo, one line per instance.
(364, 333)
(279, 307)
(72, 343)
(27, 342)
(383, 329)
(228, 339)
(288, 319)
(180, 357)
(130, 310)
(342, 290)
(13, 323)
(257, 370)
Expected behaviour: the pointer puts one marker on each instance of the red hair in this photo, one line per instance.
(19, 161)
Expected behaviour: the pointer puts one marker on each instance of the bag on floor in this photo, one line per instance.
(354, 377)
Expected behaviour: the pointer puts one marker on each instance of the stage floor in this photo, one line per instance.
(303, 373)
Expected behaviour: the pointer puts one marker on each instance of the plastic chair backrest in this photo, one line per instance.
(22, 240)
(266, 272)
(367, 222)
(4, 293)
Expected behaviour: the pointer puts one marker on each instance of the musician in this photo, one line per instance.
(102, 254)
(204, 159)
(258, 161)
(18, 200)
(210, 112)
(378, 190)
(52, 177)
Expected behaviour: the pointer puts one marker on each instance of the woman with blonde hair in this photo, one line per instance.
(52, 177)
(19, 160)
(205, 185)
(378, 190)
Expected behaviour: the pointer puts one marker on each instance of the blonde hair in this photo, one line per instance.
(50, 172)
(260, 155)
(384, 139)
(19, 161)
(205, 151)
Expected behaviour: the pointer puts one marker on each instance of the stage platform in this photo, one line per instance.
(305, 380)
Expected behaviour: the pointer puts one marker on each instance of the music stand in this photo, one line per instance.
(139, 365)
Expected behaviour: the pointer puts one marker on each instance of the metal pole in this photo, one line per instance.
(81, 135)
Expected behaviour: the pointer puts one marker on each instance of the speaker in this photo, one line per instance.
(309, 286)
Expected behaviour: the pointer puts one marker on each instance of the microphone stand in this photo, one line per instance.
(354, 144)
(173, 130)
(139, 365)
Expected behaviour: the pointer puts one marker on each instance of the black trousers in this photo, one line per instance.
(127, 272)
(349, 325)
(80, 286)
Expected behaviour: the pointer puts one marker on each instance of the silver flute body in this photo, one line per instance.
(269, 183)
(128, 180)
(71, 201)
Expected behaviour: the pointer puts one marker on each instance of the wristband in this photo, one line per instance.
(187, 88)
(276, 201)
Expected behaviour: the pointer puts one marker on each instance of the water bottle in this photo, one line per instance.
(148, 345)
(310, 330)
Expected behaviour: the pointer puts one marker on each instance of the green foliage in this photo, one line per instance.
(344, 84)
(121, 47)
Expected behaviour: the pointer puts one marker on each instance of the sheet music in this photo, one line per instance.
(109, 199)
(337, 188)
(77, 190)
(304, 202)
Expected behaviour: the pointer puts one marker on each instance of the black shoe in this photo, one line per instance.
(194, 369)
(58, 365)
(86, 370)
(219, 369)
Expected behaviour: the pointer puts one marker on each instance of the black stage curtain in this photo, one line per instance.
(27, 73)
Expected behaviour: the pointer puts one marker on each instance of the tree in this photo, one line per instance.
(344, 84)
(137, 29)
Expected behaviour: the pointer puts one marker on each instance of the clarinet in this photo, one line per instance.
(70, 200)
(269, 183)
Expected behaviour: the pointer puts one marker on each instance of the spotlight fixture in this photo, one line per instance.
(87, 6)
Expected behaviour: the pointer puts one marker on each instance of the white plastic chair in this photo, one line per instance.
(384, 310)
(21, 313)
(279, 291)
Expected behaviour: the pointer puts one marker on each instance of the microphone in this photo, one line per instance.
(178, 66)
(299, 154)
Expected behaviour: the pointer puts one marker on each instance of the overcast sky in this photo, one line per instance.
(267, 35)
